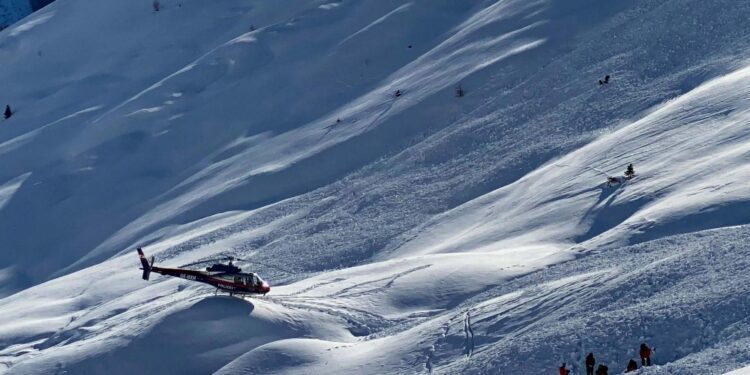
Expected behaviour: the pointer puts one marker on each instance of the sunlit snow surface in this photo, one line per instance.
(426, 233)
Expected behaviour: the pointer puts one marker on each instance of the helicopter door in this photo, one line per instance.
(238, 280)
(248, 280)
(258, 280)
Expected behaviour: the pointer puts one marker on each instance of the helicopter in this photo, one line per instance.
(225, 277)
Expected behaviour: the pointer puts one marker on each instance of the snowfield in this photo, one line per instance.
(425, 233)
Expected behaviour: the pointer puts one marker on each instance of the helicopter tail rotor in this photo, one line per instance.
(146, 266)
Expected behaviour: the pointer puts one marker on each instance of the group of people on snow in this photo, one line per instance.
(590, 362)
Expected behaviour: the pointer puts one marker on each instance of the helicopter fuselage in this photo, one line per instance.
(235, 283)
(231, 282)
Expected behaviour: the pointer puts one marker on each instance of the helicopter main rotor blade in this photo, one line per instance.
(233, 258)
(265, 265)
(204, 262)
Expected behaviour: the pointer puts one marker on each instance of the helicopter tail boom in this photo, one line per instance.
(146, 266)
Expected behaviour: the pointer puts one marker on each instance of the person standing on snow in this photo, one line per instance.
(563, 370)
(590, 362)
(645, 353)
(629, 172)
(632, 366)
(8, 112)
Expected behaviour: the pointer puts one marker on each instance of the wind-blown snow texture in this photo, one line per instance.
(12, 11)
(427, 233)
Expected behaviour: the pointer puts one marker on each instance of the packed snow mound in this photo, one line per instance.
(426, 232)
(197, 335)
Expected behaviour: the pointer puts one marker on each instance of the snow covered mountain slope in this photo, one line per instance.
(426, 232)
(692, 149)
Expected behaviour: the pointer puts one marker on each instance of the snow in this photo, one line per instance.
(425, 233)
(12, 11)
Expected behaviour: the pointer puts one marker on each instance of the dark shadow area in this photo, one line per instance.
(198, 340)
(726, 215)
(604, 216)
(39, 4)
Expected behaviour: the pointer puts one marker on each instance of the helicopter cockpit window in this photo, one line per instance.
(258, 280)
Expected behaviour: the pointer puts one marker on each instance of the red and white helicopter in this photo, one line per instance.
(225, 277)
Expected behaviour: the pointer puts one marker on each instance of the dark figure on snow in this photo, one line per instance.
(645, 355)
(459, 91)
(612, 181)
(563, 370)
(8, 112)
(602, 370)
(398, 93)
(629, 172)
(590, 362)
(604, 81)
(632, 366)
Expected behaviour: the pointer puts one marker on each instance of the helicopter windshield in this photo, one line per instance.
(248, 279)
(244, 279)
